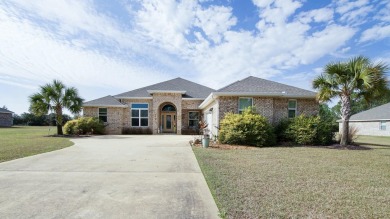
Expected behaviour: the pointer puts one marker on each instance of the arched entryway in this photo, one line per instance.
(168, 118)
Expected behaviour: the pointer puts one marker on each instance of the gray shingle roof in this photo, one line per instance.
(2, 110)
(381, 112)
(259, 85)
(104, 101)
(193, 90)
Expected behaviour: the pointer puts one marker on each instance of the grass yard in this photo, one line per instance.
(296, 182)
(373, 140)
(17, 142)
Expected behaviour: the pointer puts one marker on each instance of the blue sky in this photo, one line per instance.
(108, 47)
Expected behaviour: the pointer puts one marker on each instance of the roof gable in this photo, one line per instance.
(192, 90)
(253, 84)
(104, 102)
(381, 112)
(2, 110)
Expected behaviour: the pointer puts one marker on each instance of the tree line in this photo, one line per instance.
(30, 119)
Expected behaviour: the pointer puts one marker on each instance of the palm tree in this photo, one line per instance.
(55, 96)
(358, 77)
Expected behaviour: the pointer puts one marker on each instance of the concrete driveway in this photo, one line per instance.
(108, 177)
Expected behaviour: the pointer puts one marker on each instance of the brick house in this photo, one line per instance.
(177, 105)
(6, 119)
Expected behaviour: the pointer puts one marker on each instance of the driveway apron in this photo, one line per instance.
(108, 177)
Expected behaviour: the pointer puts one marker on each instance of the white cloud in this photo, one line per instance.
(214, 21)
(317, 15)
(275, 12)
(30, 53)
(375, 33)
(383, 14)
(345, 6)
(166, 22)
(184, 36)
(323, 42)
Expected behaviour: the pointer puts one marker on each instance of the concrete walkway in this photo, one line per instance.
(108, 177)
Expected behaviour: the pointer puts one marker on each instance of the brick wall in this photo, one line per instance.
(114, 118)
(127, 111)
(265, 107)
(6, 119)
(188, 106)
(274, 109)
(226, 105)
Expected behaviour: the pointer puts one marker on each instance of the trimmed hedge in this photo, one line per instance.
(247, 128)
(84, 125)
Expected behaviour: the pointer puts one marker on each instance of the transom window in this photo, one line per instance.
(244, 103)
(292, 108)
(382, 125)
(139, 114)
(168, 108)
(103, 114)
(193, 120)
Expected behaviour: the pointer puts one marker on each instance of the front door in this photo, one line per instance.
(168, 122)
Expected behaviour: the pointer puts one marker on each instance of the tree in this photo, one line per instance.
(359, 104)
(358, 78)
(55, 97)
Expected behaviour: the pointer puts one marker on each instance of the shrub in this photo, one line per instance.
(280, 130)
(136, 131)
(306, 130)
(84, 125)
(248, 128)
(71, 127)
(302, 130)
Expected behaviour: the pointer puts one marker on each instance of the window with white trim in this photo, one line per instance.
(139, 114)
(244, 103)
(382, 125)
(292, 108)
(193, 119)
(103, 114)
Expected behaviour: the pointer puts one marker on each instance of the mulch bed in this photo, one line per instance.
(348, 147)
(226, 146)
(69, 136)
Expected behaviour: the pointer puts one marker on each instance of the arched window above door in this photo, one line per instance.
(168, 108)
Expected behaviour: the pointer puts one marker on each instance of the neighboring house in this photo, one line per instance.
(177, 105)
(375, 121)
(6, 119)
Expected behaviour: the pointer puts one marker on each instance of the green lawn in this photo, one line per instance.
(17, 142)
(373, 140)
(296, 182)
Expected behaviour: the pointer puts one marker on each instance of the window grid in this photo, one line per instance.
(103, 114)
(193, 119)
(244, 103)
(139, 115)
(382, 126)
(292, 108)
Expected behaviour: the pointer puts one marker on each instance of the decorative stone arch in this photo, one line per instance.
(159, 101)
